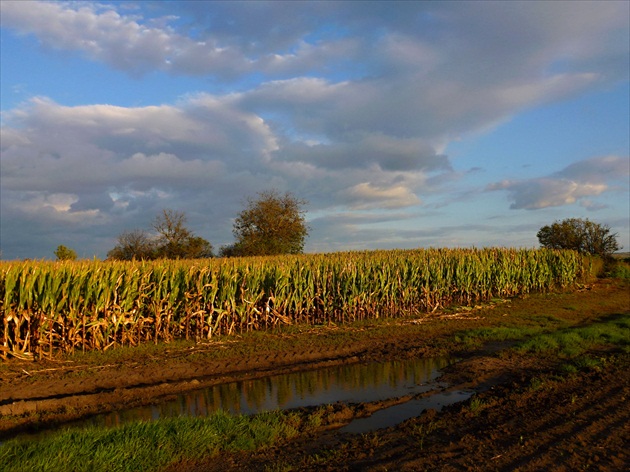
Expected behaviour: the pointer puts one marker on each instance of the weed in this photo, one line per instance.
(421, 431)
(588, 363)
(314, 420)
(324, 456)
(476, 405)
(278, 467)
(569, 369)
(536, 383)
(620, 270)
(372, 440)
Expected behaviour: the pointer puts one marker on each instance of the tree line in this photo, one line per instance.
(269, 224)
(275, 224)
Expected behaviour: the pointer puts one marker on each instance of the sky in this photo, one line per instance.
(402, 124)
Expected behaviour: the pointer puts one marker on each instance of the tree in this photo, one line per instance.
(271, 224)
(580, 235)
(173, 241)
(196, 248)
(132, 245)
(172, 233)
(64, 253)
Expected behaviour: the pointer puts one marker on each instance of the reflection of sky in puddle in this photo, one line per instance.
(398, 413)
(349, 383)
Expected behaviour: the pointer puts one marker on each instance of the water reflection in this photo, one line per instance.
(350, 383)
(398, 413)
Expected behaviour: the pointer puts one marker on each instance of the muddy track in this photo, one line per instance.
(54, 403)
(579, 423)
(32, 399)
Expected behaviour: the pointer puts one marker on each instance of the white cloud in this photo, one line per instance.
(586, 178)
(535, 194)
(102, 34)
(366, 195)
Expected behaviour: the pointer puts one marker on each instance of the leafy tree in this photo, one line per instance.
(196, 248)
(271, 224)
(581, 235)
(132, 245)
(64, 253)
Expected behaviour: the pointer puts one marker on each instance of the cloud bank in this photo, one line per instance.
(350, 105)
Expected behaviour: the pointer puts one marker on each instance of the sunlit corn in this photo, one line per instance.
(55, 307)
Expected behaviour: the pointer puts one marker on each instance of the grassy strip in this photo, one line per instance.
(572, 342)
(554, 336)
(519, 329)
(147, 446)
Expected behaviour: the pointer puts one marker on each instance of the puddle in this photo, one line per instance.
(350, 383)
(354, 383)
(398, 413)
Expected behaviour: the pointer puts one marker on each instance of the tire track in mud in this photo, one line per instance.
(575, 425)
(572, 435)
(569, 424)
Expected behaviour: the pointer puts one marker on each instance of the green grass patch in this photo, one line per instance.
(521, 328)
(588, 363)
(572, 342)
(620, 270)
(146, 446)
(476, 337)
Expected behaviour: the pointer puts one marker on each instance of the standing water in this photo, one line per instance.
(348, 383)
(355, 383)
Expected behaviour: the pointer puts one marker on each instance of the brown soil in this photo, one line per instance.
(524, 416)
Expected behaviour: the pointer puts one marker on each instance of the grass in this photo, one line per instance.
(574, 341)
(549, 334)
(477, 337)
(422, 431)
(147, 446)
(516, 329)
(619, 267)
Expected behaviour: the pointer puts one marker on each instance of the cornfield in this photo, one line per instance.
(57, 307)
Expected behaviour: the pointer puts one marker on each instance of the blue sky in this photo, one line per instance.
(403, 124)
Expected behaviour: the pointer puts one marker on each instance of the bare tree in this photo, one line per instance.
(172, 233)
(135, 244)
(174, 241)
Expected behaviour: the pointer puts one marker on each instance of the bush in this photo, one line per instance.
(620, 270)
